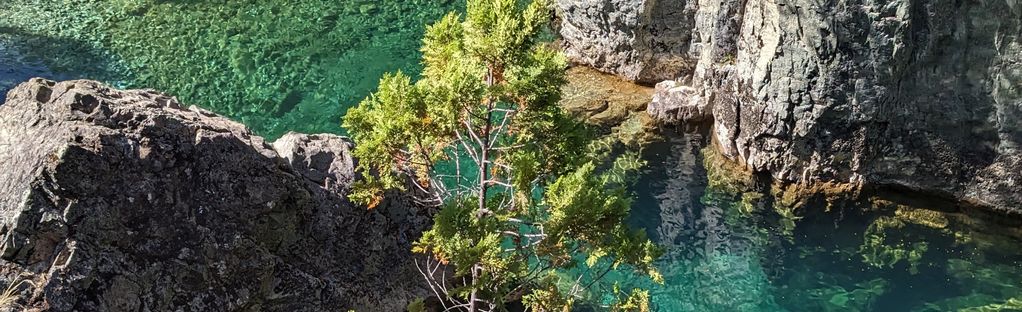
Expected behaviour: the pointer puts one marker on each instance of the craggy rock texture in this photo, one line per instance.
(126, 201)
(923, 94)
(674, 102)
(643, 41)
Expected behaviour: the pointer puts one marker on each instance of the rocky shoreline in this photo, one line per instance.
(918, 95)
(122, 200)
(117, 200)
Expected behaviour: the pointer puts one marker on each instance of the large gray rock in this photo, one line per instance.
(675, 102)
(641, 40)
(126, 201)
(919, 94)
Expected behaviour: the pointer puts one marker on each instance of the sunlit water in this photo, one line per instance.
(297, 65)
(274, 65)
(732, 251)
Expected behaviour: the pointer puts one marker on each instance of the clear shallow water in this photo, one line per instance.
(298, 66)
(274, 65)
(729, 250)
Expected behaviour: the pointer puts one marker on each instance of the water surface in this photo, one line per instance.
(274, 65)
(284, 66)
(730, 249)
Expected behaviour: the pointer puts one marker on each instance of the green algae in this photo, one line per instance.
(860, 298)
(724, 175)
(1013, 304)
(881, 251)
(1000, 280)
(991, 287)
(276, 66)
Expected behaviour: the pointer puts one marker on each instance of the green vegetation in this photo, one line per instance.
(297, 65)
(530, 212)
(275, 66)
(861, 298)
(879, 250)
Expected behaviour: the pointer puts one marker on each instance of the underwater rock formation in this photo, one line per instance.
(126, 201)
(922, 95)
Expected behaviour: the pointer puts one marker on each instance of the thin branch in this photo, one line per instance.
(503, 148)
(429, 281)
(468, 125)
(498, 183)
(471, 152)
(504, 110)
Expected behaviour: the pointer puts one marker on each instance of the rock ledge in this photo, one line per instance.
(127, 201)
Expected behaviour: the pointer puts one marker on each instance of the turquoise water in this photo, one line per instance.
(297, 66)
(274, 65)
(731, 250)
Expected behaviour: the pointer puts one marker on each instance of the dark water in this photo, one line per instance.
(284, 66)
(14, 68)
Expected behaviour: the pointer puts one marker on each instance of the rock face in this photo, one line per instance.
(920, 94)
(643, 41)
(126, 201)
(674, 102)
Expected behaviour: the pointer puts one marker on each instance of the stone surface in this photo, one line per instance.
(126, 201)
(674, 102)
(643, 41)
(614, 105)
(924, 95)
(602, 99)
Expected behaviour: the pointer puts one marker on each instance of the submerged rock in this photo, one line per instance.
(127, 201)
(923, 95)
(602, 99)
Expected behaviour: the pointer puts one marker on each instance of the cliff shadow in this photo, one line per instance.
(25, 55)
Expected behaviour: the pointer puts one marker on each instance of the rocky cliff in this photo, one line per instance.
(917, 94)
(126, 201)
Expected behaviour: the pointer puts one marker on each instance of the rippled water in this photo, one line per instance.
(297, 65)
(274, 65)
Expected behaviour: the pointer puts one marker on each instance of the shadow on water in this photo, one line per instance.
(24, 55)
(712, 259)
(742, 250)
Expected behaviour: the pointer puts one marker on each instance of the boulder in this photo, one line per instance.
(674, 102)
(117, 200)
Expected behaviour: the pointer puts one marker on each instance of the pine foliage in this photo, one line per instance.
(526, 199)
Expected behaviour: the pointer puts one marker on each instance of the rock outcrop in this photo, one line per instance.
(126, 201)
(675, 102)
(642, 41)
(924, 95)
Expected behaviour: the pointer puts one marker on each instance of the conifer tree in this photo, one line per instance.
(530, 210)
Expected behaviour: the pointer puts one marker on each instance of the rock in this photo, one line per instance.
(321, 158)
(614, 105)
(673, 103)
(126, 201)
(602, 99)
(923, 95)
(643, 41)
